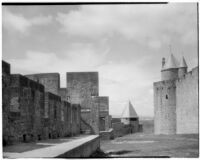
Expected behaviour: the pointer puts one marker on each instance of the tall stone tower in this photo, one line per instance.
(165, 98)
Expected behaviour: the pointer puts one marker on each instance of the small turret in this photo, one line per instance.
(170, 69)
(129, 114)
(182, 68)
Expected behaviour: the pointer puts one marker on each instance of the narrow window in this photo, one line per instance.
(24, 138)
(166, 96)
(49, 135)
(39, 137)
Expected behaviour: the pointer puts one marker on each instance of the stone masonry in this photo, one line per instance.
(176, 99)
(30, 113)
(83, 89)
(36, 108)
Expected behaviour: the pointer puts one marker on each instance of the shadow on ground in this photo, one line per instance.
(117, 154)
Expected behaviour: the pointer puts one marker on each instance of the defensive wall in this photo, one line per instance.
(30, 113)
(120, 129)
(83, 88)
(43, 110)
(176, 104)
(51, 81)
(187, 102)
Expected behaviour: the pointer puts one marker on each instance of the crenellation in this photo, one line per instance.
(176, 102)
(36, 108)
(51, 81)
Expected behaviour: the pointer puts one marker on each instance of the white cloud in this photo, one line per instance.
(19, 23)
(78, 57)
(129, 21)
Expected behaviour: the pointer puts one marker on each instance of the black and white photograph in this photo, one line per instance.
(100, 80)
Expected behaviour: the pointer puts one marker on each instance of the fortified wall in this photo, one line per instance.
(187, 102)
(83, 88)
(176, 99)
(31, 113)
(36, 108)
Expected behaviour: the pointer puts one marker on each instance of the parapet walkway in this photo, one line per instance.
(79, 146)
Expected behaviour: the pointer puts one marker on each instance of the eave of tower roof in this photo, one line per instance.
(129, 111)
(183, 63)
(171, 63)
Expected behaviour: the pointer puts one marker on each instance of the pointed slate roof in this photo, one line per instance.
(129, 111)
(171, 63)
(183, 62)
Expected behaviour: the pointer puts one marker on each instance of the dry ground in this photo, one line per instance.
(147, 144)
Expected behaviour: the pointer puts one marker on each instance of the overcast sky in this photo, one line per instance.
(124, 43)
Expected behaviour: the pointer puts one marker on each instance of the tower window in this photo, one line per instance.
(166, 97)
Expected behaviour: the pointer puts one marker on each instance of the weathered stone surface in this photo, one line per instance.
(51, 81)
(103, 105)
(63, 93)
(176, 102)
(165, 107)
(82, 86)
(187, 103)
(23, 109)
(30, 113)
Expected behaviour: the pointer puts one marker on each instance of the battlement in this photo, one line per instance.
(161, 84)
(51, 81)
(52, 96)
(191, 74)
(176, 101)
(18, 80)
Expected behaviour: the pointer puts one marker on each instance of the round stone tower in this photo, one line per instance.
(169, 69)
(165, 107)
(182, 68)
(165, 98)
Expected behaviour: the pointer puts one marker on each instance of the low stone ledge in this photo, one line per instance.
(107, 135)
(82, 147)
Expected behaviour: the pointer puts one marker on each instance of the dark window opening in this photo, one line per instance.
(166, 96)
(49, 135)
(24, 137)
(39, 137)
(4, 142)
(58, 135)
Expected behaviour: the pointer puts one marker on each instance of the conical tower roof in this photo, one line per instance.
(171, 63)
(129, 111)
(183, 63)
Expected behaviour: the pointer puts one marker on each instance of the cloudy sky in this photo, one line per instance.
(124, 43)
